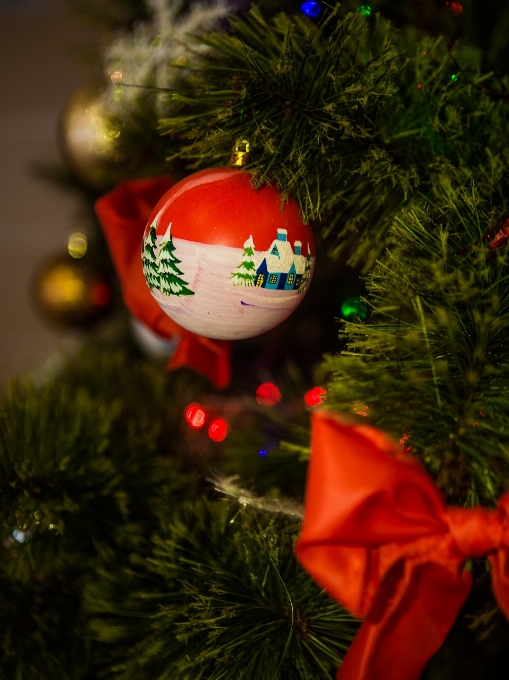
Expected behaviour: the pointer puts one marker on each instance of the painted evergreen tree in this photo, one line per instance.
(170, 282)
(148, 256)
(244, 274)
(307, 273)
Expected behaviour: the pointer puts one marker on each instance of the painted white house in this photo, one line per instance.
(281, 267)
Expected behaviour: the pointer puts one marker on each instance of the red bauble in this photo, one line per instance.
(224, 260)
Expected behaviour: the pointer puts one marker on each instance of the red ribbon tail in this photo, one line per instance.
(378, 537)
(209, 357)
(411, 616)
(499, 562)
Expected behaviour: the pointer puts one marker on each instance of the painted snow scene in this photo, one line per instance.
(224, 292)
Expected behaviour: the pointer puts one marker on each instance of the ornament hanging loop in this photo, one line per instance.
(240, 155)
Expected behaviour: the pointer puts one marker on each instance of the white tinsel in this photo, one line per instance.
(145, 55)
(229, 487)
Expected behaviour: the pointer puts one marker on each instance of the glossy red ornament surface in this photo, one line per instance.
(224, 260)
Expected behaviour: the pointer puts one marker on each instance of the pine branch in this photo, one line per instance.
(221, 597)
(303, 96)
(431, 362)
(354, 122)
(85, 478)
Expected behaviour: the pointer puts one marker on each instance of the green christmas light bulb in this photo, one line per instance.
(364, 10)
(353, 307)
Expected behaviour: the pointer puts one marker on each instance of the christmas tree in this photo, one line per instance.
(244, 273)
(149, 257)
(138, 544)
(170, 282)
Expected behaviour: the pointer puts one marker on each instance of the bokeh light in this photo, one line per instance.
(195, 416)
(218, 429)
(364, 10)
(100, 295)
(455, 8)
(268, 394)
(354, 307)
(315, 396)
(311, 8)
(77, 245)
(363, 410)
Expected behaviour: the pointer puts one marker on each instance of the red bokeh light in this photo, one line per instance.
(315, 396)
(404, 440)
(195, 416)
(101, 295)
(268, 394)
(455, 8)
(218, 429)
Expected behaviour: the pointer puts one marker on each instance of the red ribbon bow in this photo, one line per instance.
(379, 538)
(123, 214)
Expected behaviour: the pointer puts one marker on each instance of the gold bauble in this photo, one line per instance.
(89, 140)
(72, 292)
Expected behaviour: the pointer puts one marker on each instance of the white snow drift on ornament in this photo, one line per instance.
(225, 292)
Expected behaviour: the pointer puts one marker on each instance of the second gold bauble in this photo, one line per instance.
(72, 292)
(90, 140)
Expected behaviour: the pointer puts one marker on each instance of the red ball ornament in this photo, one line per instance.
(224, 260)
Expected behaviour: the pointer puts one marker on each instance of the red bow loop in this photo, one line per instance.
(477, 531)
(378, 537)
(123, 214)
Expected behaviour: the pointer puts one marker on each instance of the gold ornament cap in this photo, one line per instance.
(240, 155)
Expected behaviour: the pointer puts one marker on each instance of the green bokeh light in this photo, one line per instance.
(364, 10)
(454, 77)
(354, 307)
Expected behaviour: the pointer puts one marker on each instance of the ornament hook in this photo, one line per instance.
(240, 155)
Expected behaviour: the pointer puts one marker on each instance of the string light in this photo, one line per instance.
(195, 416)
(354, 307)
(116, 77)
(77, 245)
(21, 536)
(311, 8)
(454, 77)
(455, 8)
(218, 429)
(364, 10)
(262, 453)
(315, 396)
(364, 408)
(404, 440)
(268, 394)
(101, 295)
